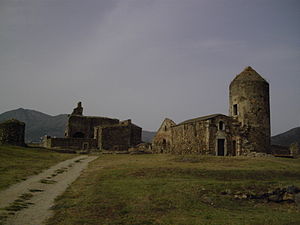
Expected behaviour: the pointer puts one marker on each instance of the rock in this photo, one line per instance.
(226, 192)
(274, 198)
(207, 200)
(288, 197)
(292, 189)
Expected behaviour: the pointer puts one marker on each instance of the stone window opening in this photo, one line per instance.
(164, 143)
(221, 125)
(165, 128)
(235, 109)
(78, 135)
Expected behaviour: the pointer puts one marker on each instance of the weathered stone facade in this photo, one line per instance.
(91, 132)
(163, 137)
(118, 136)
(12, 132)
(245, 130)
(69, 143)
(83, 126)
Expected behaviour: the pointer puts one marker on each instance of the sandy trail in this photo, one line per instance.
(29, 202)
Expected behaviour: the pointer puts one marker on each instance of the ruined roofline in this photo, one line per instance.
(202, 118)
(117, 125)
(93, 117)
(164, 121)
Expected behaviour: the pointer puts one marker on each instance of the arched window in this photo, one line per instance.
(221, 125)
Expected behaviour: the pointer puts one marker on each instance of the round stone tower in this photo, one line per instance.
(249, 103)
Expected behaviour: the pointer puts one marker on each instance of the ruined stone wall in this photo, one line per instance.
(136, 135)
(12, 132)
(83, 126)
(118, 137)
(114, 138)
(70, 143)
(162, 142)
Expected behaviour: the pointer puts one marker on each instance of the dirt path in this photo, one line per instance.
(29, 202)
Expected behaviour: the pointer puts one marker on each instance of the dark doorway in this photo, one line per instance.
(85, 146)
(78, 135)
(233, 148)
(221, 147)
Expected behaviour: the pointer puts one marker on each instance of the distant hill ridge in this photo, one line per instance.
(287, 138)
(39, 124)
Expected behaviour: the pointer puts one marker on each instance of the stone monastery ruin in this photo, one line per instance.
(91, 132)
(245, 130)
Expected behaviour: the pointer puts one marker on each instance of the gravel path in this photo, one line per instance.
(29, 202)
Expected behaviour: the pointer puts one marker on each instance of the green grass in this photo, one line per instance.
(166, 189)
(17, 163)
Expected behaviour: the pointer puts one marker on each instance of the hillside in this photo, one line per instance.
(147, 136)
(287, 138)
(37, 124)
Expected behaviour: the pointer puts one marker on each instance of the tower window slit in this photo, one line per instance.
(235, 109)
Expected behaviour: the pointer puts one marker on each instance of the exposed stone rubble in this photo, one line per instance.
(289, 194)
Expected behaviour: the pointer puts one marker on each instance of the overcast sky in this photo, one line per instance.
(147, 59)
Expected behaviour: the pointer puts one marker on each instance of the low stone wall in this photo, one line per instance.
(280, 150)
(12, 132)
(70, 143)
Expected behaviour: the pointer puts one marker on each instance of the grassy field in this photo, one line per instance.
(168, 189)
(17, 163)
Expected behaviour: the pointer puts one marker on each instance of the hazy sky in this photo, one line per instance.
(147, 59)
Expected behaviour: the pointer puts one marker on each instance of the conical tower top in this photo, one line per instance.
(249, 74)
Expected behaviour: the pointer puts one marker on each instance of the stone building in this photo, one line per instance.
(91, 132)
(12, 132)
(245, 130)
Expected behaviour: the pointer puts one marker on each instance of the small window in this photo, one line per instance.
(165, 128)
(235, 109)
(221, 125)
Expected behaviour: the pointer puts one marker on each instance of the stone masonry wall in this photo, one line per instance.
(85, 125)
(249, 92)
(136, 135)
(70, 143)
(201, 137)
(162, 142)
(191, 138)
(115, 138)
(12, 132)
